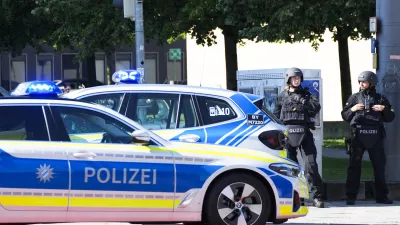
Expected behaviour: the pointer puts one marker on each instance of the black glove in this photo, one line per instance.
(298, 99)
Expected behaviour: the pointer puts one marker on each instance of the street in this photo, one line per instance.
(366, 212)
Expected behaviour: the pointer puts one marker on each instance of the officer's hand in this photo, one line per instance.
(378, 107)
(357, 107)
(295, 97)
(299, 99)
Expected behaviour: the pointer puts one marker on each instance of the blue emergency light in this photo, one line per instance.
(127, 77)
(37, 88)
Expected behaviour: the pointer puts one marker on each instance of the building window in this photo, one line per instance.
(151, 68)
(71, 68)
(100, 67)
(123, 61)
(44, 67)
(17, 71)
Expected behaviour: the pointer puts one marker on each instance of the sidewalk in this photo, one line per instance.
(339, 153)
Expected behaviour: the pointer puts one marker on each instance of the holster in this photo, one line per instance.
(349, 145)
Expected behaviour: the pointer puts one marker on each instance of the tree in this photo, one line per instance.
(239, 20)
(303, 20)
(200, 18)
(348, 19)
(19, 27)
(85, 26)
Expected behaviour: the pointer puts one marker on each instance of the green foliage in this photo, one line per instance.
(307, 20)
(86, 26)
(335, 169)
(348, 18)
(334, 143)
(19, 27)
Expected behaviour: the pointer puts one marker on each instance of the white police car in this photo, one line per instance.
(130, 174)
(190, 113)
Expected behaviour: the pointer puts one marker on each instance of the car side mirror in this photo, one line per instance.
(141, 137)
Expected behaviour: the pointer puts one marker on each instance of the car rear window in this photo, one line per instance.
(260, 106)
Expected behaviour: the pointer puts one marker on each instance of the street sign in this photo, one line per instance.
(373, 27)
(175, 54)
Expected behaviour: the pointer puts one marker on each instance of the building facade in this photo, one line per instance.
(51, 65)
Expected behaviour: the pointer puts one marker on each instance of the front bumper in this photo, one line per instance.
(296, 205)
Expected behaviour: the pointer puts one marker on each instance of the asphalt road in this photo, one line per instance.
(336, 213)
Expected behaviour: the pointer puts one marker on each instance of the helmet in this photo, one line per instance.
(292, 72)
(368, 76)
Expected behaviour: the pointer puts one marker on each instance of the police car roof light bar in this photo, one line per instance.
(37, 88)
(127, 77)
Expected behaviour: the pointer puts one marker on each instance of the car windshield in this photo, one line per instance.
(260, 106)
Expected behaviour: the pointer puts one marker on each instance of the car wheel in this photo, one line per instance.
(238, 199)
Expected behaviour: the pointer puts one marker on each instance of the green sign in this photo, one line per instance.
(175, 54)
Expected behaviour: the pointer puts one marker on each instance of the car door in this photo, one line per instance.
(34, 174)
(112, 173)
(171, 115)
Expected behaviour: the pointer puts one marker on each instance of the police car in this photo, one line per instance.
(50, 172)
(190, 113)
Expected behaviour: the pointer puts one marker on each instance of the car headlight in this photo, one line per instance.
(287, 169)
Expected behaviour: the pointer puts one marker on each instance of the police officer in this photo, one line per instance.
(366, 111)
(296, 108)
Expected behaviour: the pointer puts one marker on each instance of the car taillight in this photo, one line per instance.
(273, 139)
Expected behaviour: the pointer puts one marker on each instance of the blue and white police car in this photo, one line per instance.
(191, 113)
(51, 170)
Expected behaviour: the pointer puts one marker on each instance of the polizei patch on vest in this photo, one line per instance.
(296, 130)
(368, 131)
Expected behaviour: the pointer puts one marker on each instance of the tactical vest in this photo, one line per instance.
(292, 112)
(368, 116)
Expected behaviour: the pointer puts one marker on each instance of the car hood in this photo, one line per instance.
(226, 151)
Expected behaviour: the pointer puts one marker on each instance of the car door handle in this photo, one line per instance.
(84, 155)
(189, 138)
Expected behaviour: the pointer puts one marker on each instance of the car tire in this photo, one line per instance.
(251, 205)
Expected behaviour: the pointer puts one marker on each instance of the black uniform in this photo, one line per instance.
(367, 132)
(296, 110)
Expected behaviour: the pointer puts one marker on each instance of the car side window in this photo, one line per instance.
(215, 110)
(23, 123)
(88, 126)
(187, 113)
(156, 111)
(112, 101)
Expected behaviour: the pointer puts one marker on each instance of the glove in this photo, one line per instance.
(298, 99)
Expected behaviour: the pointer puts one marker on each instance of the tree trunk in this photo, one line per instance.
(231, 64)
(91, 70)
(344, 62)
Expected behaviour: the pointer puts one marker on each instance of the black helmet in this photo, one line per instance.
(292, 72)
(368, 76)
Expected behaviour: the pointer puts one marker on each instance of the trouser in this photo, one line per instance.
(308, 153)
(378, 160)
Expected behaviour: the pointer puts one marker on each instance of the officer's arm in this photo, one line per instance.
(312, 105)
(388, 112)
(278, 106)
(347, 114)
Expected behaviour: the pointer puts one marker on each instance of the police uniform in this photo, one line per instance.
(367, 133)
(297, 110)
